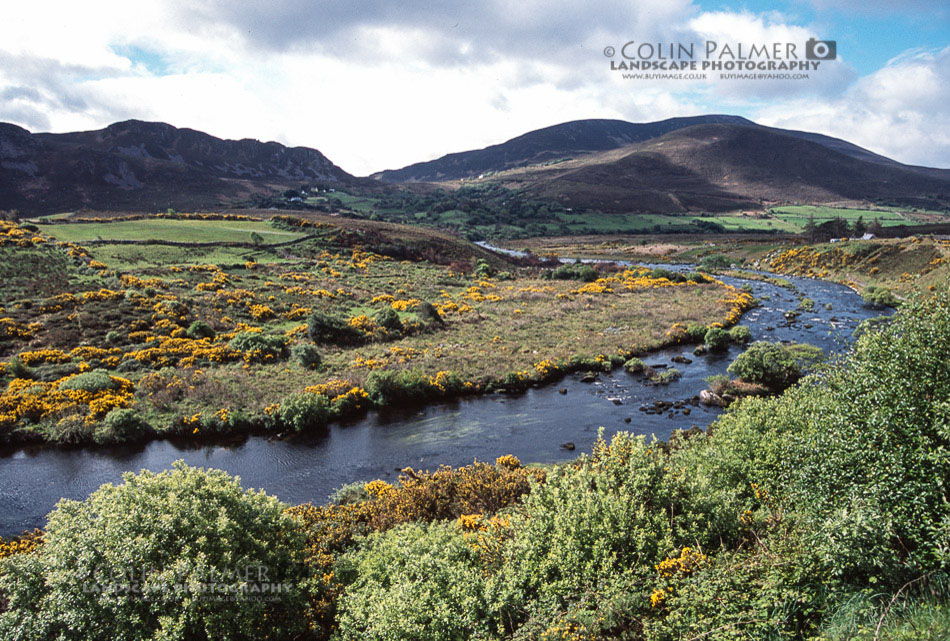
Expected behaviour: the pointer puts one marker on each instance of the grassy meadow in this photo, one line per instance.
(166, 340)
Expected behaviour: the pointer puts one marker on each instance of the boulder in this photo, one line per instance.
(707, 397)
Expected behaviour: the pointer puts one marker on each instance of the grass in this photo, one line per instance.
(194, 231)
(136, 302)
(798, 215)
(903, 265)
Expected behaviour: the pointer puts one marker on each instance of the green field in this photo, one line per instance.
(798, 215)
(356, 203)
(193, 231)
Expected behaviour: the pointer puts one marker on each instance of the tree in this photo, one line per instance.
(810, 228)
(860, 227)
(145, 560)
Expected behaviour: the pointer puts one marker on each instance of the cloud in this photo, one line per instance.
(376, 85)
(899, 111)
(446, 31)
(925, 9)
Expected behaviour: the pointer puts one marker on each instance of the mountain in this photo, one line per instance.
(578, 138)
(721, 167)
(140, 165)
(567, 140)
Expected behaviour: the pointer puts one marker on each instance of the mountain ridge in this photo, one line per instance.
(142, 165)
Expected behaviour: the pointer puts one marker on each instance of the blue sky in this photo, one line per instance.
(375, 84)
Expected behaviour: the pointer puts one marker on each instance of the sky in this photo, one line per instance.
(377, 84)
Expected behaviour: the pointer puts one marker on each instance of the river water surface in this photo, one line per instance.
(532, 425)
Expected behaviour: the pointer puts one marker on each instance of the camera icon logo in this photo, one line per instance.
(821, 49)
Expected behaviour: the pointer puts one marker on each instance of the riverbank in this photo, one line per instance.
(532, 424)
(322, 330)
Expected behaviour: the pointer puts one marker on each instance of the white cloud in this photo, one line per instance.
(380, 85)
(900, 111)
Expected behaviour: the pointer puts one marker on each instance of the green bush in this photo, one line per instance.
(325, 329)
(857, 453)
(185, 527)
(200, 329)
(350, 493)
(483, 269)
(18, 369)
(696, 332)
(717, 339)
(696, 277)
(715, 261)
(389, 319)
(769, 364)
(389, 387)
(740, 334)
(575, 271)
(634, 366)
(888, 415)
(428, 314)
(264, 344)
(120, 426)
(879, 297)
(95, 381)
(597, 528)
(307, 355)
(416, 581)
(304, 411)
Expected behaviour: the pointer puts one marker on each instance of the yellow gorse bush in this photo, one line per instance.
(34, 400)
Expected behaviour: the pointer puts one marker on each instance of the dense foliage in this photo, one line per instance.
(185, 554)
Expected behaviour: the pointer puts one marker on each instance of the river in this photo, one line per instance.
(531, 425)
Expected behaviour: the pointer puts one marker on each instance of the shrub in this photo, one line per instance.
(120, 426)
(299, 412)
(113, 337)
(307, 355)
(200, 329)
(187, 527)
(665, 376)
(696, 277)
(428, 314)
(715, 261)
(598, 528)
(18, 369)
(879, 297)
(856, 453)
(717, 339)
(263, 344)
(769, 364)
(696, 333)
(350, 493)
(575, 271)
(325, 329)
(874, 324)
(389, 387)
(448, 494)
(668, 274)
(483, 269)
(389, 319)
(416, 581)
(634, 366)
(740, 334)
(94, 381)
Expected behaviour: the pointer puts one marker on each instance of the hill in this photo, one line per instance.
(145, 166)
(566, 140)
(721, 167)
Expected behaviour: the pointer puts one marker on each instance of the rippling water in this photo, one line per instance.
(532, 425)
